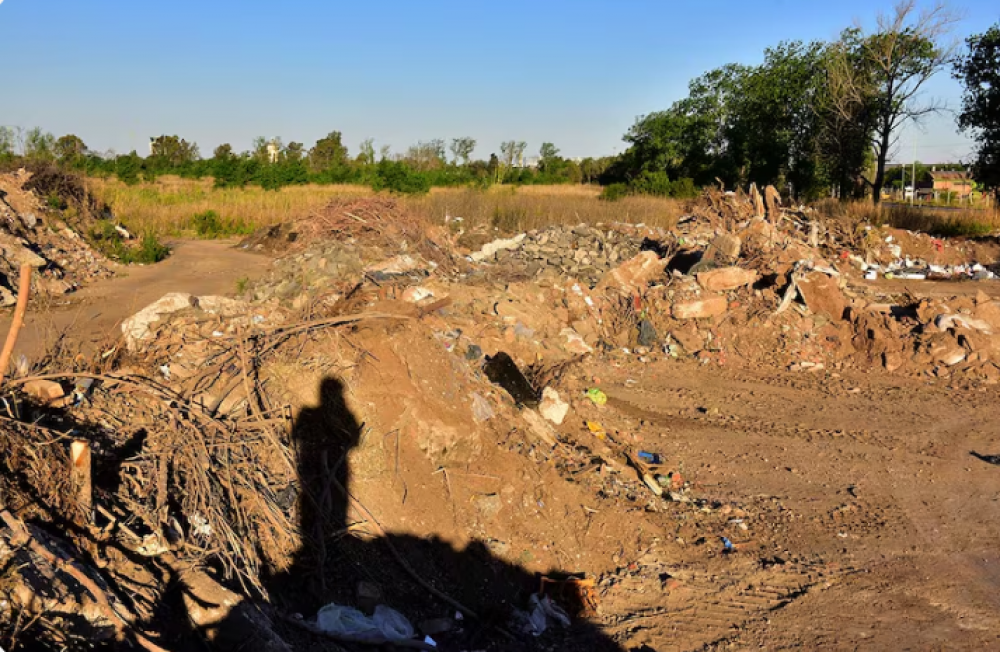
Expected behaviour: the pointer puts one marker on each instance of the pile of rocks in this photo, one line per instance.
(35, 235)
(582, 252)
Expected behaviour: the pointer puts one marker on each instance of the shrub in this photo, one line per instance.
(398, 178)
(683, 188)
(105, 238)
(614, 192)
(207, 224)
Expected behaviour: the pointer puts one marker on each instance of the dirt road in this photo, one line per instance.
(868, 523)
(200, 267)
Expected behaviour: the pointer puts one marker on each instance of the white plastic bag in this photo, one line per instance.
(348, 622)
(393, 625)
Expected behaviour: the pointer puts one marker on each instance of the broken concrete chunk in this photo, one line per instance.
(822, 295)
(709, 306)
(552, 407)
(724, 248)
(44, 391)
(726, 278)
(136, 328)
(490, 249)
(634, 274)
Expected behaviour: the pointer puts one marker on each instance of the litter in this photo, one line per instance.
(597, 396)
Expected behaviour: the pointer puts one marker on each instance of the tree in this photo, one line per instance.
(8, 143)
(548, 152)
(69, 149)
(172, 151)
(512, 152)
(426, 155)
(294, 151)
(329, 152)
(461, 149)
(979, 71)
(884, 73)
(367, 155)
(39, 145)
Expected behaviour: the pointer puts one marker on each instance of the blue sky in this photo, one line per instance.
(576, 73)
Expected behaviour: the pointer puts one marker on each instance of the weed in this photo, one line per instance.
(242, 284)
(614, 192)
(104, 237)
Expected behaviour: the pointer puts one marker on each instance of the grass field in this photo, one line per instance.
(168, 206)
(969, 222)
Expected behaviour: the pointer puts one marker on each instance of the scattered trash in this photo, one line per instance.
(385, 625)
(552, 407)
(543, 613)
(597, 396)
(727, 545)
(650, 458)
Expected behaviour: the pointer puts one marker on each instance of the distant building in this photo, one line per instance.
(958, 184)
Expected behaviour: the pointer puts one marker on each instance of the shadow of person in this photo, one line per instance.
(331, 562)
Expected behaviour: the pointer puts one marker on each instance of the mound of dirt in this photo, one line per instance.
(49, 239)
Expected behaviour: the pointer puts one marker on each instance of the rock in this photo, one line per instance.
(552, 407)
(946, 321)
(709, 306)
(989, 312)
(689, 337)
(402, 264)
(490, 249)
(44, 391)
(7, 298)
(892, 360)
(416, 294)
(488, 506)
(222, 306)
(634, 274)
(575, 342)
(822, 295)
(726, 278)
(951, 356)
(539, 427)
(725, 247)
(136, 328)
(772, 202)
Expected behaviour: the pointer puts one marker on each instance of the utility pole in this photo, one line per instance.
(914, 175)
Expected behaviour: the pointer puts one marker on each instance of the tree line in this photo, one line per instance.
(820, 118)
(272, 164)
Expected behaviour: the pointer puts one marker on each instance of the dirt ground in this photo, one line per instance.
(199, 267)
(885, 536)
(859, 519)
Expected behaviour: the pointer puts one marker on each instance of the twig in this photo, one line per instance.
(121, 623)
(23, 292)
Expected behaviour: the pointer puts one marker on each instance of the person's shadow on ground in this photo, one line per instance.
(331, 562)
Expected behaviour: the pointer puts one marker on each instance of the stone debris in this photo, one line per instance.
(33, 234)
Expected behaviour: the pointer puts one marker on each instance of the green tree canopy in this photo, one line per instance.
(979, 71)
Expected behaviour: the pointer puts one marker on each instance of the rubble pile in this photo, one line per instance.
(583, 252)
(35, 235)
(266, 452)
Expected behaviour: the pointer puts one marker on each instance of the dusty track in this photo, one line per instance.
(887, 526)
(196, 266)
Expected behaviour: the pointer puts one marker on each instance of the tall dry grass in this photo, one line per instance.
(533, 207)
(168, 205)
(966, 222)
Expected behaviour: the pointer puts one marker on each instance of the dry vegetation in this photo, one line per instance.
(969, 222)
(168, 205)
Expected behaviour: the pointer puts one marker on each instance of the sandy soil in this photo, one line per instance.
(885, 531)
(199, 267)
(859, 518)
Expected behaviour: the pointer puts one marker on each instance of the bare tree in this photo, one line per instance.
(461, 149)
(879, 76)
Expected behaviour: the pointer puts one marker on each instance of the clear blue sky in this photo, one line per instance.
(575, 73)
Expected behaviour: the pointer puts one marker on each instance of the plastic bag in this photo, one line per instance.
(386, 625)
(393, 625)
(348, 622)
